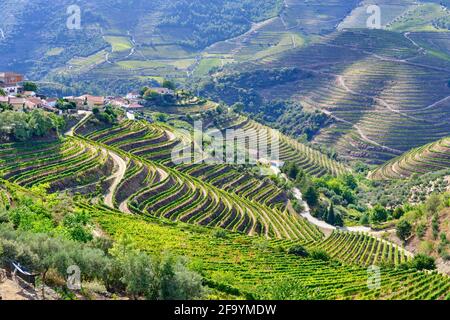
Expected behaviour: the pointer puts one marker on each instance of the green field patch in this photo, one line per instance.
(119, 43)
(421, 18)
(156, 64)
(166, 52)
(80, 64)
(181, 64)
(206, 65)
(138, 64)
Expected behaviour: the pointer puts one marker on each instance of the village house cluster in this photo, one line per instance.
(22, 100)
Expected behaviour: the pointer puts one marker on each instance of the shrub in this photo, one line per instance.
(311, 196)
(220, 233)
(298, 207)
(404, 229)
(319, 254)
(444, 239)
(298, 250)
(435, 226)
(378, 214)
(364, 220)
(433, 203)
(29, 86)
(423, 262)
(421, 229)
(398, 213)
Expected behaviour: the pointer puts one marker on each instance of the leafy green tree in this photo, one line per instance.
(292, 170)
(238, 107)
(350, 181)
(298, 207)
(143, 91)
(64, 105)
(176, 281)
(162, 117)
(77, 226)
(331, 217)
(378, 214)
(421, 229)
(433, 203)
(139, 277)
(364, 220)
(5, 107)
(30, 86)
(398, 213)
(361, 167)
(339, 222)
(163, 278)
(152, 95)
(2, 92)
(109, 115)
(423, 262)
(169, 84)
(404, 230)
(15, 125)
(22, 126)
(348, 196)
(311, 196)
(298, 250)
(40, 123)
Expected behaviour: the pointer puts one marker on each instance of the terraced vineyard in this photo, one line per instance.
(62, 165)
(391, 10)
(312, 161)
(385, 92)
(364, 250)
(156, 204)
(254, 268)
(179, 208)
(220, 196)
(429, 158)
(208, 195)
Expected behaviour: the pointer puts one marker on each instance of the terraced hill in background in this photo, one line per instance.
(160, 54)
(386, 93)
(429, 158)
(390, 12)
(128, 41)
(132, 45)
(311, 161)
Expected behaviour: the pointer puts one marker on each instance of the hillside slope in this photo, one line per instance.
(131, 43)
(233, 227)
(429, 158)
(385, 93)
(36, 41)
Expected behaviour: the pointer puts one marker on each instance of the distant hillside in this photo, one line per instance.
(423, 17)
(387, 92)
(429, 158)
(131, 43)
(125, 44)
(389, 9)
(34, 38)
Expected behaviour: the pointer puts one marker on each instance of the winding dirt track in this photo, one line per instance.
(117, 176)
(357, 229)
(120, 164)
